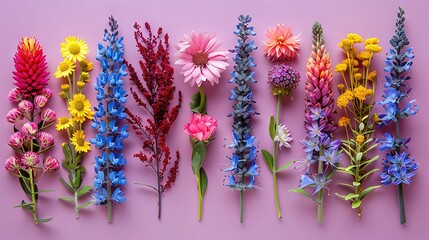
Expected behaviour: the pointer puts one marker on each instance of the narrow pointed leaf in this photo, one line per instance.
(268, 158)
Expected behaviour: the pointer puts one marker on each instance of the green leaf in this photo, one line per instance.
(204, 180)
(361, 126)
(67, 152)
(356, 184)
(196, 104)
(341, 196)
(84, 190)
(85, 205)
(284, 166)
(67, 185)
(351, 195)
(67, 199)
(198, 154)
(272, 128)
(368, 173)
(25, 182)
(346, 185)
(356, 204)
(27, 206)
(359, 156)
(268, 158)
(367, 190)
(371, 147)
(43, 220)
(303, 192)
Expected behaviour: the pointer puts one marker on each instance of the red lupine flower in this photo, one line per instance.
(31, 75)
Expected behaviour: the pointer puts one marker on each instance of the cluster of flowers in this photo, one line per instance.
(30, 118)
(110, 111)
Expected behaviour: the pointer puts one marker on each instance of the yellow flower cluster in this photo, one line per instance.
(343, 121)
(361, 92)
(74, 51)
(343, 99)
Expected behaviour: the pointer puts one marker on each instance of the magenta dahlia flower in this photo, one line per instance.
(201, 58)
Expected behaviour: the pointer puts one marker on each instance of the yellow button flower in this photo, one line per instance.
(360, 139)
(373, 48)
(355, 37)
(372, 41)
(343, 121)
(340, 67)
(360, 93)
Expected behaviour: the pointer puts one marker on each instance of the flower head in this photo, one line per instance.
(64, 123)
(30, 159)
(29, 129)
(201, 127)
(48, 115)
(31, 75)
(74, 49)
(78, 140)
(201, 58)
(50, 164)
(283, 79)
(44, 140)
(80, 108)
(14, 95)
(12, 165)
(283, 136)
(65, 69)
(281, 44)
(40, 101)
(25, 106)
(14, 115)
(17, 139)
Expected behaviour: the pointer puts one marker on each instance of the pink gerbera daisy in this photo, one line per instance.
(201, 59)
(281, 45)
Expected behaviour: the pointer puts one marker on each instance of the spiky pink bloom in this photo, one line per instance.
(12, 165)
(13, 115)
(47, 93)
(48, 115)
(30, 159)
(17, 139)
(25, 106)
(44, 139)
(201, 58)
(31, 75)
(29, 129)
(201, 127)
(40, 101)
(281, 44)
(50, 164)
(14, 95)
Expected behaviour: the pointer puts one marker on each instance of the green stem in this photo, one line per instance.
(33, 198)
(200, 199)
(202, 100)
(241, 205)
(402, 216)
(274, 167)
(76, 204)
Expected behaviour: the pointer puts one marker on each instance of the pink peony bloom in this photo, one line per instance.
(281, 45)
(40, 101)
(12, 165)
(30, 159)
(48, 115)
(44, 139)
(201, 127)
(47, 93)
(17, 139)
(29, 129)
(201, 59)
(50, 164)
(25, 106)
(14, 95)
(14, 115)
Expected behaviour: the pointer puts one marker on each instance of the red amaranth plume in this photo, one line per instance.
(31, 75)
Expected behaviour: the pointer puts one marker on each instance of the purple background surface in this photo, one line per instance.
(52, 21)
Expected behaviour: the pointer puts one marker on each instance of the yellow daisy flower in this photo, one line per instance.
(74, 49)
(78, 140)
(65, 68)
(80, 108)
(86, 66)
(64, 123)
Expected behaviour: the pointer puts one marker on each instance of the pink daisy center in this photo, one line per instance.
(200, 59)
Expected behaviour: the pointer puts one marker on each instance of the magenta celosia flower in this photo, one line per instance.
(281, 44)
(40, 101)
(13, 115)
(48, 115)
(14, 95)
(16, 140)
(30, 76)
(50, 164)
(201, 127)
(29, 129)
(25, 106)
(201, 58)
(12, 165)
(44, 139)
(30, 159)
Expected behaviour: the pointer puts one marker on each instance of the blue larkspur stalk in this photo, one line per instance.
(110, 112)
(243, 168)
(399, 167)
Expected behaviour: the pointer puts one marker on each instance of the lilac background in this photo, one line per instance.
(52, 21)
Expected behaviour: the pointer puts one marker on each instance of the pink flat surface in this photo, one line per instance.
(52, 21)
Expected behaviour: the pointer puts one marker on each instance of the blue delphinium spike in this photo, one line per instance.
(109, 178)
(243, 166)
(399, 167)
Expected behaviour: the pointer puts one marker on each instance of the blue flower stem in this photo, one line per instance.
(109, 193)
(402, 216)
(320, 194)
(241, 205)
(274, 166)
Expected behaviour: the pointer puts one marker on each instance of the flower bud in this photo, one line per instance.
(48, 115)
(13, 115)
(50, 164)
(25, 106)
(40, 101)
(29, 129)
(80, 85)
(47, 93)
(63, 95)
(12, 165)
(16, 140)
(14, 95)
(44, 139)
(65, 87)
(30, 159)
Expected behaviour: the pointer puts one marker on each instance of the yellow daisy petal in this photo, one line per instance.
(74, 49)
(65, 69)
(78, 140)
